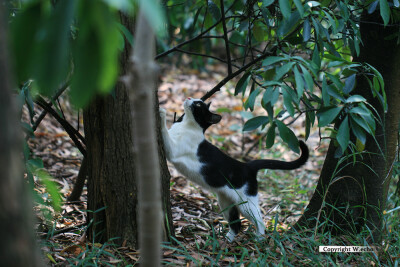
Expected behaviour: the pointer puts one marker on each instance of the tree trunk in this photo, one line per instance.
(358, 197)
(18, 245)
(111, 166)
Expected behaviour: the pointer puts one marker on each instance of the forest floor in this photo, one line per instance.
(199, 226)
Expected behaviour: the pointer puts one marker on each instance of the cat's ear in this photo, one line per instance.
(208, 105)
(214, 118)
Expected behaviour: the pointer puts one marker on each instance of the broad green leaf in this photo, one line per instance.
(255, 122)
(299, 7)
(372, 7)
(306, 30)
(242, 83)
(385, 11)
(308, 78)
(288, 25)
(349, 84)
(325, 93)
(214, 10)
(287, 101)
(281, 71)
(316, 58)
(271, 60)
(362, 123)
(269, 142)
(95, 51)
(252, 98)
(360, 111)
(52, 48)
(327, 116)
(343, 134)
(24, 30)
(355, 98)
(51, 187)
(267, 3)
(258, 33)
(288, 136)
(358, 131)
(284, 5)
(299, 82)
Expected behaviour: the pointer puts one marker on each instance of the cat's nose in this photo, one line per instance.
(189, 98)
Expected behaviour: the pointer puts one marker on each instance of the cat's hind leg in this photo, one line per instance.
(250, 209)
(231, 214)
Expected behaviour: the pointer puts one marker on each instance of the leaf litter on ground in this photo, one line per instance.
(199, 225)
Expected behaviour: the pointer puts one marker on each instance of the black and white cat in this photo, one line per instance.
(234, 182)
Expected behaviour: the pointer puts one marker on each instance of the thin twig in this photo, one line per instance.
(228, 53)
(71, 131)
(44, 112)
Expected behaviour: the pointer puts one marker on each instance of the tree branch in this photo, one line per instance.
(236, 73)
(73, 134)
(228, 53)
(44, 112)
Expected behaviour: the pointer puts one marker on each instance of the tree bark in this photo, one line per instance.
(358, 198)
(18, 245)
(111, 165)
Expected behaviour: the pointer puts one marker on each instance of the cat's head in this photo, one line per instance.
(198, 111)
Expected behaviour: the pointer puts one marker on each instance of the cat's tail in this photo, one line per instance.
(281, 165)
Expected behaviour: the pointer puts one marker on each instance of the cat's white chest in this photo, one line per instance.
(185, 141)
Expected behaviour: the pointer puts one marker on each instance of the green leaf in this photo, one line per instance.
(24, 29)
(288, 136)
(299, 7)
(214, 10)
(255, 122)
(95, 51)
(308, 78)
(284, 5)
(349, 84)
(51, 187)
(242, 83)
(355, 98)
(316, 58)
(287, 101)
(358, 131)
(327, 116)
(299, 82)
(325, 94)
(287, 26)
(267, 3)
(343, 134)
(306, 30)
(271, 60)
(372, 7)
(269, 142)
(385, 11)
(283, 70)
(252, 98)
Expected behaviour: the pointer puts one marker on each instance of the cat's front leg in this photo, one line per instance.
(164, 131)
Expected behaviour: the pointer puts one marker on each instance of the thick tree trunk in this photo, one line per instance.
(358, 197)
(18, 245)
(111, 166)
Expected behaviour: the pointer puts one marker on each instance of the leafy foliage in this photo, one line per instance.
(310, 68)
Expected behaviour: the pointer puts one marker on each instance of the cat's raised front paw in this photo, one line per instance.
(163, 112)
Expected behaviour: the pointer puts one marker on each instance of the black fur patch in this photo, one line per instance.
(234, 220)
(220, 170)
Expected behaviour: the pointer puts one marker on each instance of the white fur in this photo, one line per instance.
(181, 142)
